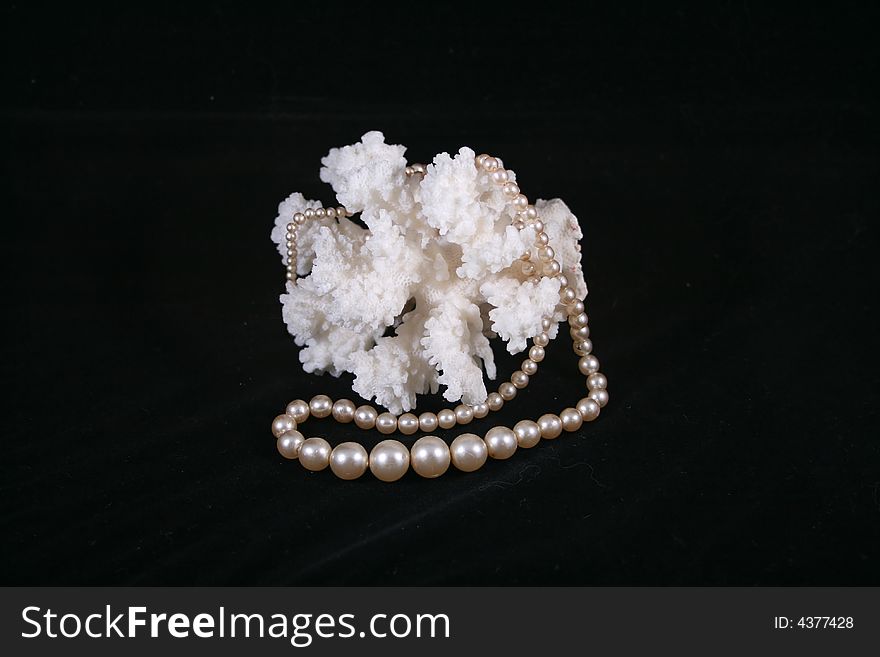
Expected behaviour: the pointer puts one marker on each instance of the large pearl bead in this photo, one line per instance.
(588, 364)
(288, 444)
(551, 426)
(446, 418)
(321, 406)
(597, 381)
(365, 417)
(588, 408)
(408, 424)
(428, 422)
(501, 442)
(389, 460)
(343, 411)
(314, 454)
(430, 456)
(528, 433)
(469, 452)
(599, 396)
(281, 424)
(298, 410)
(571, 419)
(386, 423)
(349, 460)
(463, 414)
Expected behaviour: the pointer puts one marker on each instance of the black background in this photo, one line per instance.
(722, 163)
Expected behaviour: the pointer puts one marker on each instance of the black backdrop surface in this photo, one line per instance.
(723, 165)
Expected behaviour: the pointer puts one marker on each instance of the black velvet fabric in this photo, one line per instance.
(724, 169)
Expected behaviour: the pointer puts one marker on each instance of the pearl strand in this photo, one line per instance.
(429, 456)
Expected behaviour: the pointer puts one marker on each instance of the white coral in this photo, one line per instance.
(437, 262)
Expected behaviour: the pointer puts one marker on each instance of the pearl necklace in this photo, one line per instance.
(430, 456)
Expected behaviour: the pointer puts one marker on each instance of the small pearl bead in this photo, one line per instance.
(520, 202)
(500, 442)
(583, 347)
(408, 424)
(499, 177)
(546, 323)
(331, 213)
(321, 406)
(519, 379)
(588, 364)
(580, 334)
(546, 253)
(529, 366)
(314, 454)
(531, 213)
(389, 460)
(365, 417)
(481, 410)
(578, 321)
(567, 295)
(309, 213)
(386, 423)
(507, 391)
(291, 227)
(519, 225)
(542, 339)
(468, 452)
(597, 381)
(430, 456)
(283, 423)
(464, 414)
(551, 268)
(536, 353)
(538, 226)
(446, 418)
(428, 422)
(288, 444)
(571, 419)
(341, 212)
(589, 409)
(528, 433)
(343, 411)
(479, 159)
(349, 460)
(576, 308)
(298, 218)
(600, 397)
(290, 275)
(511, 189)
(490, 164)
(551, 426)
(541, 240)
(494, 401)
(528, 268)
(298, 410)
(320, 213)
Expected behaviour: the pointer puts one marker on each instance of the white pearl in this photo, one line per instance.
(468, 452)
(330, 213)
(576, 308)
(597, 381)
(341, 212)
(567, 295)
(288, 444)
(511, 189)
(528, 433)
(589, 409)
(408, 424)
(519, 379)
(536, 353)
(542, 339)
(531, 213)
(463, 414)
(386, 423)
(321, 406)
(571, 419)
(520, 202)
(429, 457)
(546, 253)
(501, 442)
(481, 410)
(499, 177)
(546, 323)
(389, 460)
(551, 268)
(541, 239)
(283, 423)
(320, 213)
(343, 411)
(365, 417)
(349, 460)
(528, 268)
(529, 367)
(581, 333)
(298, 218)
(490, 164)
(309, 213)
(494, 401)
(578, 321)
(600, 397)
(507, 391)
(479, 159)
(428, 422)
(298, 410)
(551, 426)
(314, 454)
(588, 364)
(582, 347)
(538, 226)
(446, 418)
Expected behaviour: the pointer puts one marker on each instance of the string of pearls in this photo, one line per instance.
(430, 456)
